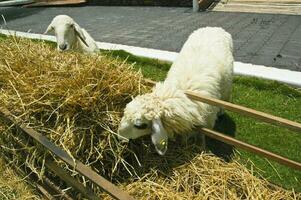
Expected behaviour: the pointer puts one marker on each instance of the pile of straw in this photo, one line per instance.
(207, 177)
(77, 100)
(12, 186)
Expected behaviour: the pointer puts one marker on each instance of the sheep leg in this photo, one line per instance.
(203, 142)
(221, 112)
(202, 138)
(197, 136)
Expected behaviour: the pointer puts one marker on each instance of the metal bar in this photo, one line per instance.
(251, 148)
(60, 193)
(243, 110)
(104, 184)
(70, 180)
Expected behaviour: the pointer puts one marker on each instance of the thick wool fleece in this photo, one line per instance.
(204, 66)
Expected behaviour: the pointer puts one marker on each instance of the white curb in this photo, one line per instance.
(245, 69)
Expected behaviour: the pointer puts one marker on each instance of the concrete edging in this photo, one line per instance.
(240, 68)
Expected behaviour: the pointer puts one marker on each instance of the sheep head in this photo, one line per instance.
(142, 116)
(66, 31)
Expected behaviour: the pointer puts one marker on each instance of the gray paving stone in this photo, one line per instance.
(268, 60)
(269, 51)
(292, 49)
(296, 36)
(258, 38)
(289, 63)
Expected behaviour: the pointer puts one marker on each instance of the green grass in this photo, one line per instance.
(268, 96)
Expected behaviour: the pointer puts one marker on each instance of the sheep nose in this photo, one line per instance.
(63, 47)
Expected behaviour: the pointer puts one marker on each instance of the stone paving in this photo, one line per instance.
(267, 39)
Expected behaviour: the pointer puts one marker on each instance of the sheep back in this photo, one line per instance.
(204, 66)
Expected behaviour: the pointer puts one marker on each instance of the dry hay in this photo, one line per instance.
(12, 186)
(74, 99)
(207, 177)
(77, 100)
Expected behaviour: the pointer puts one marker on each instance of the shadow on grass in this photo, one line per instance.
(225, 125)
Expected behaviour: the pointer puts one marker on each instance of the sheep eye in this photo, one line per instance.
(140, 126)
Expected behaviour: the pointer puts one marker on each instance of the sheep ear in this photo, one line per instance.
(159, 136)
(80, 34)
(49, 28)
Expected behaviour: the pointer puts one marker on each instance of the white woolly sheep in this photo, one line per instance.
(70, 36)
(204, 66)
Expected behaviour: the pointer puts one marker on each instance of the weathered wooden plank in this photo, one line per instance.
(100, 181)
(34, 182)
(70, 180)
(47, 185)
(251, 113)
(266, 1)
(247, 112)
(242, 110)
(260, 6)
(248, 147)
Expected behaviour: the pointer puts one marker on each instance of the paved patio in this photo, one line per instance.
(267, 39)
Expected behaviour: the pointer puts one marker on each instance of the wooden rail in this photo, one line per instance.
(251, 148)
(34, 181)
(43, 183)
(71, 181)
(247, 112)
(242, 110)
(251, 113)
(104, 184)
(57, 170)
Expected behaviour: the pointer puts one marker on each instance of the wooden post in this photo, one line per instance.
(195, 5)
